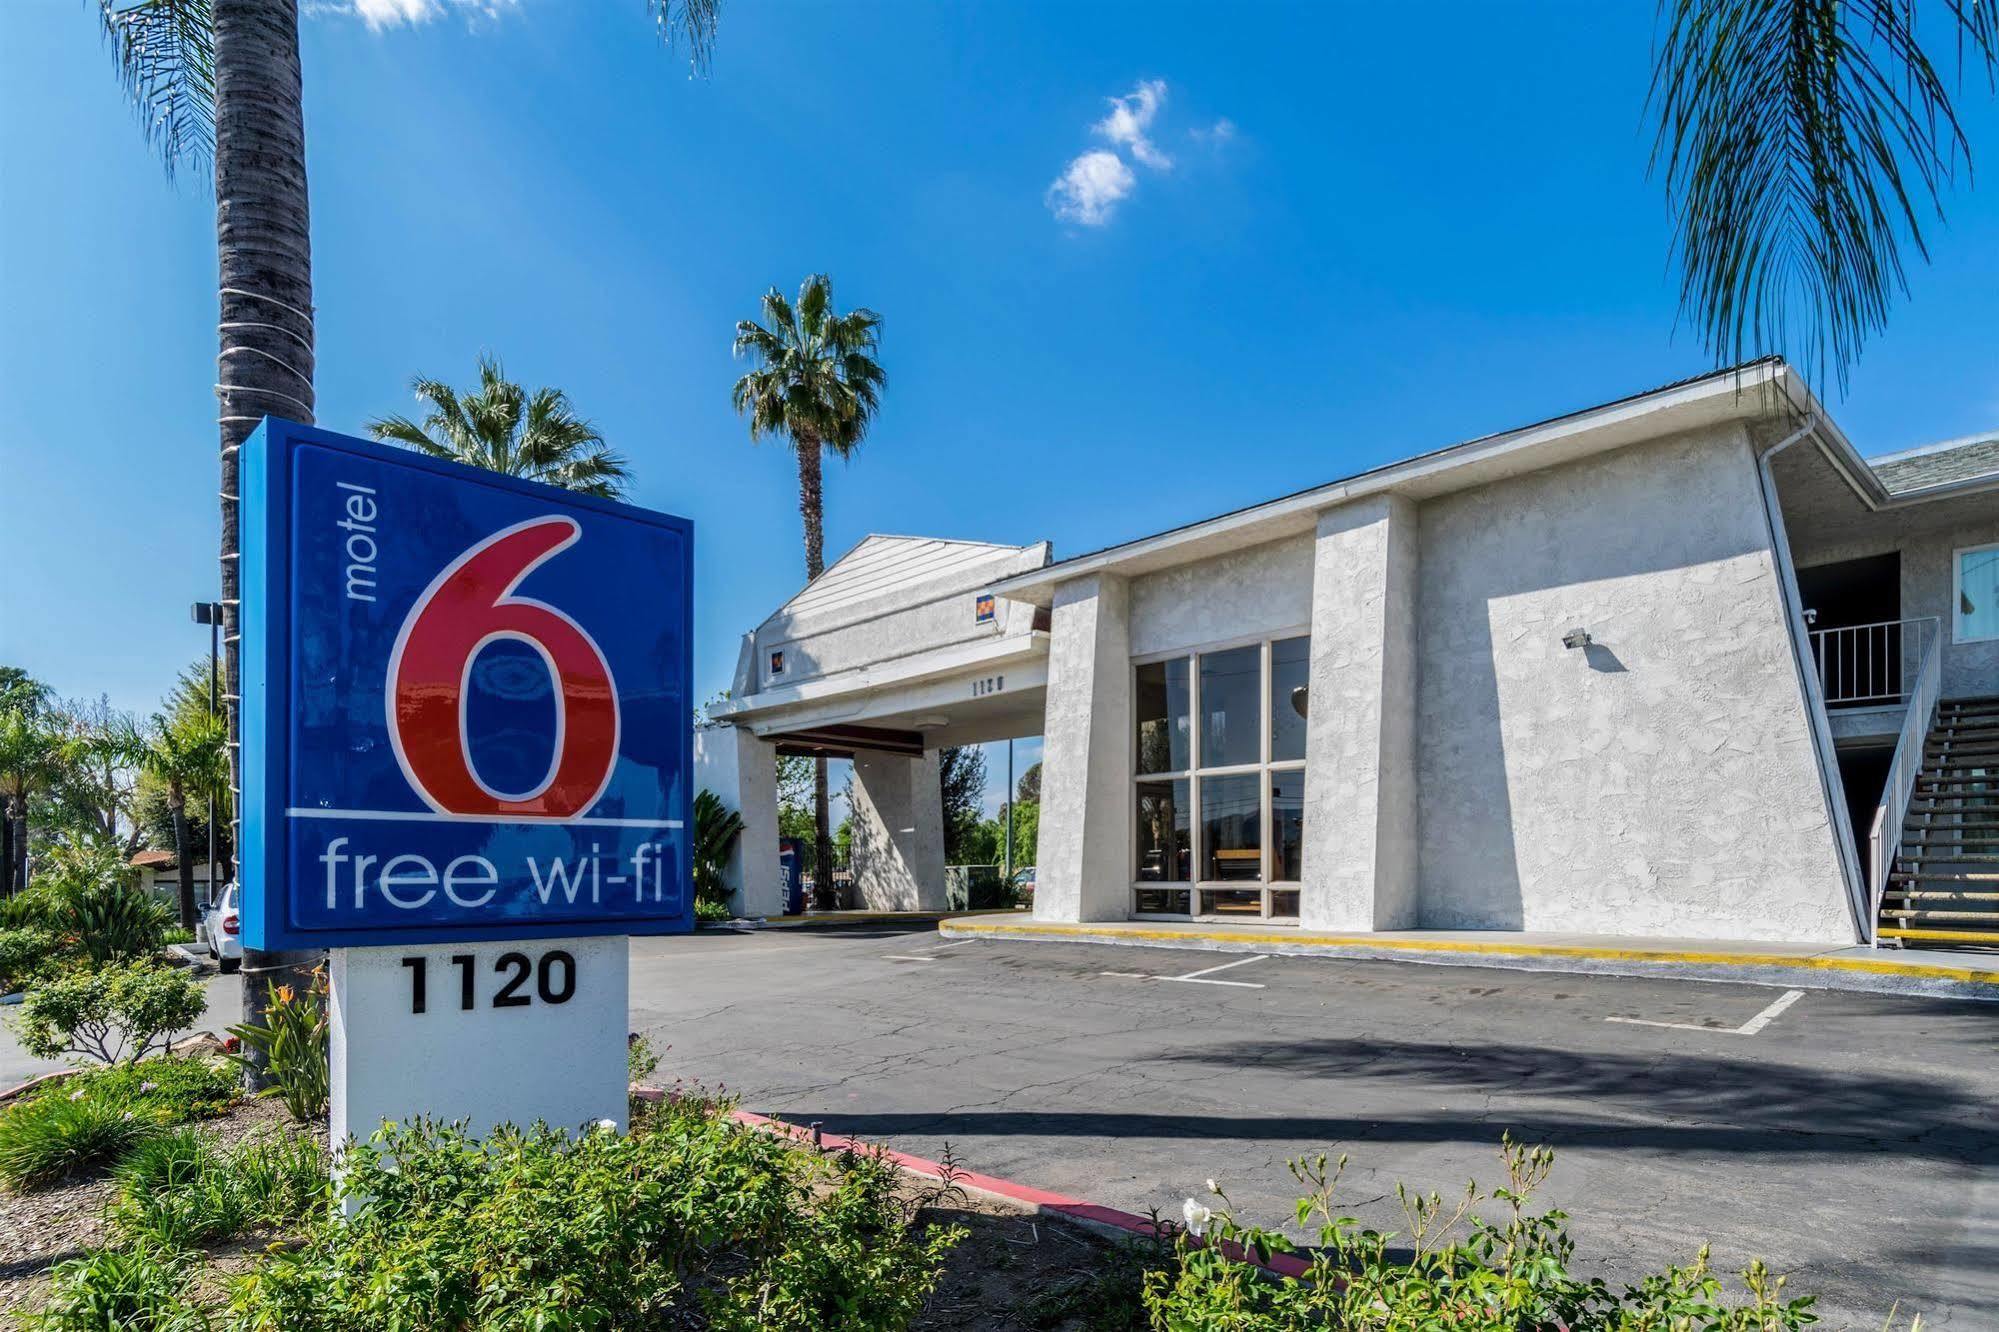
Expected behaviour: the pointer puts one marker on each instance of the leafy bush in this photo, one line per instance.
(53, 1137)
(1461, 1270)
(712, 913)
(177, 1190)
(852, 1262)
(640, 1058)
(89, 899)
(294, 1050)
(542, 1229)
(716, 828)
(167, 1090)
(28, 953)
(140, 1288)
(110, 1013)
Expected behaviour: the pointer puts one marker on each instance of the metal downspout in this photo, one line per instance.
(1815, 713)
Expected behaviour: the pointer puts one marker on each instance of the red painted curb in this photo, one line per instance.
(1075, 1209)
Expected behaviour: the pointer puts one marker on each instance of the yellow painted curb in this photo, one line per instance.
(1946, 936)
(1864, 966)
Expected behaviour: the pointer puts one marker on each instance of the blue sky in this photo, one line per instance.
(1293, 242)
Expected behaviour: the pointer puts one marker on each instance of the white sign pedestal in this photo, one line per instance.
(489, 1033)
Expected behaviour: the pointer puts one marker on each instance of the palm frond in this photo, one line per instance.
(504, 428)
(1803, 142)
(693, 23)
(165, 52)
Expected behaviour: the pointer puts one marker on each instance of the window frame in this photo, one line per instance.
(1957, 593)
(1262, 768)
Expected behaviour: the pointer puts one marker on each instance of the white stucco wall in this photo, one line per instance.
(1085, 842)
(1260, 590)
(1662, 782)
(898, 830)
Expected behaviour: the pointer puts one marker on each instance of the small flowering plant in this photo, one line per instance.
(1476, 1263)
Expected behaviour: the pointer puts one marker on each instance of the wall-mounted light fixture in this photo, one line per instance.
(1577, 638)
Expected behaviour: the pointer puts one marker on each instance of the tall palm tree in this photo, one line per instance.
(189, 757)
(221, 79)
(503, 428)
(31, 761)
(815, 383)
(1803, 142)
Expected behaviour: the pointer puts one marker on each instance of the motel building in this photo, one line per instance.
(1682, 665)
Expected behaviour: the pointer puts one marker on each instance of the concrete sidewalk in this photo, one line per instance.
(1959, 974)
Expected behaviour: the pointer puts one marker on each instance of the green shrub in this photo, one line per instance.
(716, 828)
(641, 1060)
(1452, 1267)
(177, 934)
(53, 1137)
(294, 1050)
(89, 898)
(28, 953)
(110, 1013)
(140, 1288)
(852, 1262)
(528, 1230)
(168, 1090)
(712, 913)
(176, 1190)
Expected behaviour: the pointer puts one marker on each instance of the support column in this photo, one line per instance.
(1084, 855)
(1360, 749)
(742, 771)
(898, 831)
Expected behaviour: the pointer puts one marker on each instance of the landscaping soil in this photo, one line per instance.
(47, 1226)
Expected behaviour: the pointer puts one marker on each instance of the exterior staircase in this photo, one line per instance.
(1944, 888)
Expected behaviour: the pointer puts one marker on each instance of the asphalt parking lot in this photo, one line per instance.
(1847, 1139)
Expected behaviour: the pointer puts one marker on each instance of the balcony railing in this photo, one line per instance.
(1868, 665)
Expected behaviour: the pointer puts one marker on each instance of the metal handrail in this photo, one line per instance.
(1884, 839)
(1863, 663)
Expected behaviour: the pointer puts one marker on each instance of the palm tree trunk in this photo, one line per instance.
(17, 852)
(811, 509)
(262, 237)
(184, 860)
(7, 849)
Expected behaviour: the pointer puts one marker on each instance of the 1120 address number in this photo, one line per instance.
(554, 977)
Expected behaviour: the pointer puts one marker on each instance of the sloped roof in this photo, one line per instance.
(1938, 464)
(881, 562)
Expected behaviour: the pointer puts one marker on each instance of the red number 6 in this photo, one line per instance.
(468, 606)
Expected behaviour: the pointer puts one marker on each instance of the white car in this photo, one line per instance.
(223, 924)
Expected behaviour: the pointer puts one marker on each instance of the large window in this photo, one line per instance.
(1220, 791)
(1976, 615)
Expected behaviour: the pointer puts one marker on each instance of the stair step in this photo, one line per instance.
(1931, 876)
(1940, 936)
(1935, 860)
(1919, 895)
(1961, 758)
(1912, 915)
(1990, 783)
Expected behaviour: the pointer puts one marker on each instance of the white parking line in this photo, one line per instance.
(1749, 1028)
(906, 957)
(1194, 977)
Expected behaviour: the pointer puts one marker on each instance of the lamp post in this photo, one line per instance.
(210, 614)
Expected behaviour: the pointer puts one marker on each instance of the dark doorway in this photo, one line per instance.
(1863, 771)
(1853, 610)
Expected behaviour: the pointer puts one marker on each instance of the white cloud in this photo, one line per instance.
(380, 14)
(1130, 118)
(1089, 189)
(1219, 132)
